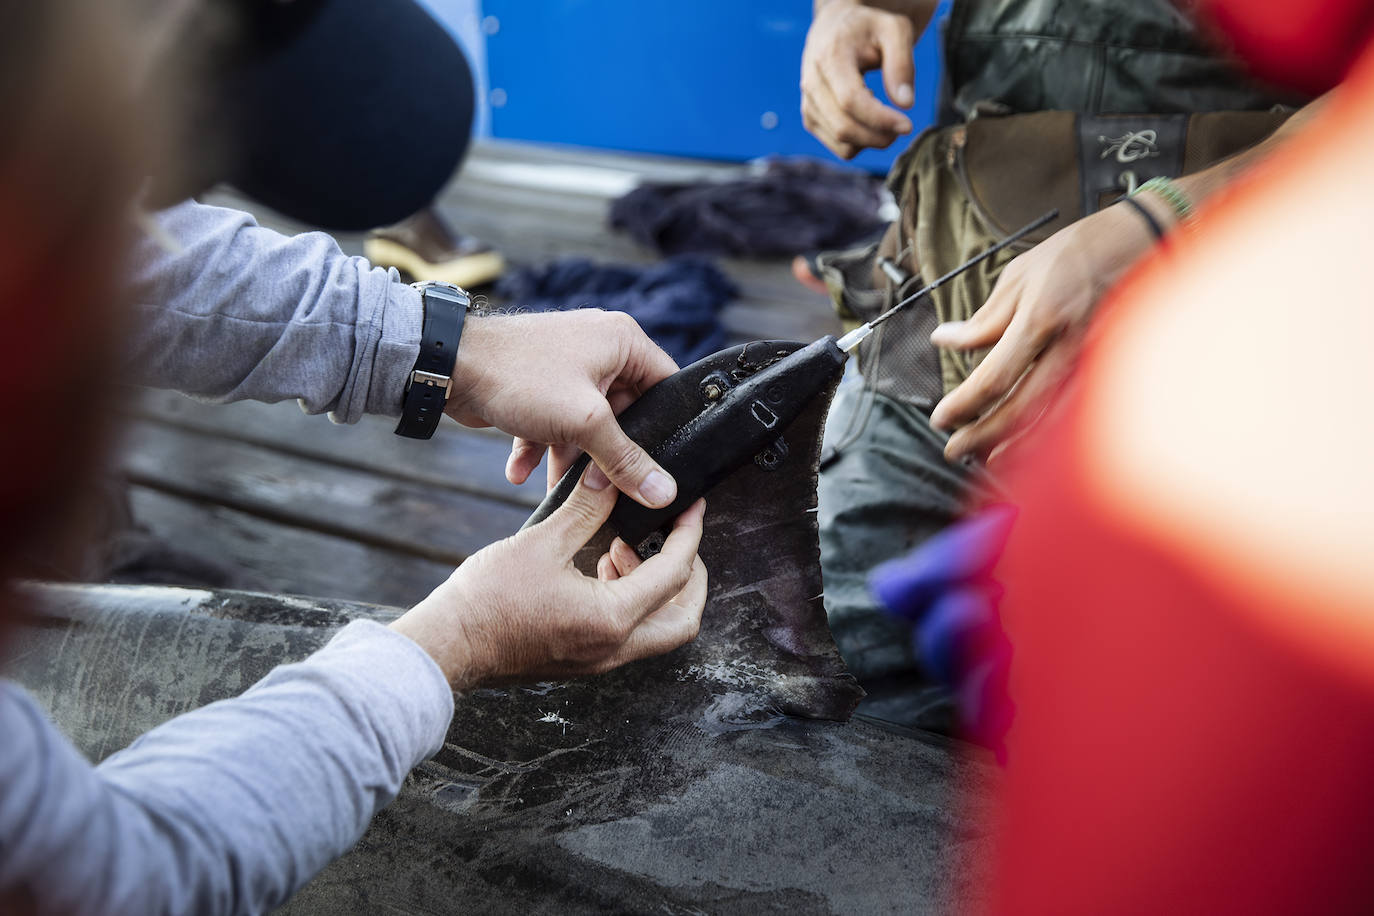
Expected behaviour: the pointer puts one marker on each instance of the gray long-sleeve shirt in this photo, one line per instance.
(231, 808)
(227, 809)
(238, 312)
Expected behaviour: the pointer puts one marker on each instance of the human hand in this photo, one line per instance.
(558, 379)
(1035, 321)
(845, 41)
(520, 610)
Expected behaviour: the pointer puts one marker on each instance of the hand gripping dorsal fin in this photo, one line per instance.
(765, 648)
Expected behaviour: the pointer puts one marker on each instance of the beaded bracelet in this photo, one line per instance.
(1172, 194)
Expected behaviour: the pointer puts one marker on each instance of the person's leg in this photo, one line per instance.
(885, 487)
(405, 123)
(402, 111)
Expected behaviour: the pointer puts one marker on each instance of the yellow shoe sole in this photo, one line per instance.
(466, 271)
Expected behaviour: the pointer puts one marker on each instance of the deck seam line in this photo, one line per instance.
(306, 455)
(408, 548)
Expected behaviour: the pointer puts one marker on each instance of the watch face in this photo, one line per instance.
(455, 294)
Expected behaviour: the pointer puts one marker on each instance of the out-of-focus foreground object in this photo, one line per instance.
(945, 590)
(1308, 46)
(75, 148)
(1190, 593)
(341, 114)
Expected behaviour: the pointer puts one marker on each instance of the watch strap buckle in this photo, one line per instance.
(428, 389)
(432, 379)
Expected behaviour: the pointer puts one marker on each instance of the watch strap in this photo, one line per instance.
(431, 381)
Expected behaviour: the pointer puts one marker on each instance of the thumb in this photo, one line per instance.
(581, 516)
(899, 66)
(667, 572)
(624, 463)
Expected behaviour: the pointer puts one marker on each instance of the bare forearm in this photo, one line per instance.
(1201, 185)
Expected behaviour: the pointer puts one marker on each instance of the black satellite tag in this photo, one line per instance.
(711, 418)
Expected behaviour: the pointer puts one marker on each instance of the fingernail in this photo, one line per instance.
(595, 478)
(658, 489)
(904, 95)
(943, 331)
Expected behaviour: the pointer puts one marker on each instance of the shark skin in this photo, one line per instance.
(722, 777)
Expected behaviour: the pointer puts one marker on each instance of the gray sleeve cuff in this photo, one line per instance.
(388, 344)
(232, 311)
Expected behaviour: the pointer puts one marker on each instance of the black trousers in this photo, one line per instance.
(344, 114)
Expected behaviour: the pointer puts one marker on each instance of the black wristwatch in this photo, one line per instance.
(431, 381)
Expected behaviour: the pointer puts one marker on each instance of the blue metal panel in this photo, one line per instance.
(709, 78)
(462, 18)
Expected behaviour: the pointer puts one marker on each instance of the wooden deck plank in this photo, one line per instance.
(438, 524)
(456, 459)
(648, 166)
(270, 557)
